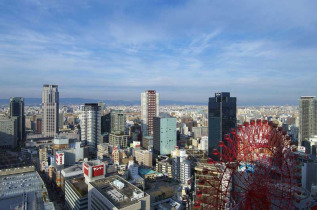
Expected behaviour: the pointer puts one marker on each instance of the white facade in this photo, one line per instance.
(50, 108)
(181, 168)
(150, 107)
(116, 193)
(60, 158)
(90, 125)
(204, 143)
(184, 129)
(185, 171)
(61, 140)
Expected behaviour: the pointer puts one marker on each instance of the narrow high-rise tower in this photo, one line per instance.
(17, 110)
(222, 117)
(149, 109)
(90, 125)
(307, 118)
(50, 108)
(118, 122)
(165, 135)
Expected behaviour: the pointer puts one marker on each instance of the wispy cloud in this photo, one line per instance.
(200, 44)
(186, 49)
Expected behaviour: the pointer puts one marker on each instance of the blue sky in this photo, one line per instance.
(263, 52)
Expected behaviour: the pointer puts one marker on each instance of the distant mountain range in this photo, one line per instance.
(75, 101)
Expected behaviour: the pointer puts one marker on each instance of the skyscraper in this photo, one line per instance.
(50, 108)
(102, 106)
(164, 135)
(61, 120)
(90, 125)
(8, 133)
(106, 123)
(118, 122)
(307, 118)
(149, 109)
(17, 110)
(221, 118)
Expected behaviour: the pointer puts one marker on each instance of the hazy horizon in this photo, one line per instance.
(263, 52)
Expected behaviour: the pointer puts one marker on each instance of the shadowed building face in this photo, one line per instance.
(222, 111)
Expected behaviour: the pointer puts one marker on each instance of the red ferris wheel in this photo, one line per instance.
(257, 169)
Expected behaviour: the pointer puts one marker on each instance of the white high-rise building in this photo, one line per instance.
(90, 125)
(181, 168)
(50, 108)
(150, 102)
(185, 171)
(307, 118)
(204, 143)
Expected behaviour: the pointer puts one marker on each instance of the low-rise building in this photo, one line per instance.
(144, 157)
(103, 150)
(147, 142)
(60, 142)
(116, 193)
(76, 193)
(165, 168)
(118, 140)
(70, 173)
(23, 188)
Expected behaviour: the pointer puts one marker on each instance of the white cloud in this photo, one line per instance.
(187, 49)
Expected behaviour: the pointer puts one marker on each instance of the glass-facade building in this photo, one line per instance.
(164, 135)
(222, 111)
(118, 122)
(17, 110)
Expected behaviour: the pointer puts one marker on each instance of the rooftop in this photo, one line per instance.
(143, 151)
(93, 162)
(122, 196)
(75, 169)
(307, 97)
(18, 183)
(146, 171)
(10, 171)
(167, 204)
(79, 185)
(16, 188)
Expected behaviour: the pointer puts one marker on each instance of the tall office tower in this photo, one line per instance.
(164, 135)
(149, 109)
(307, 118)
(118, 122)
(38, 125)
(106, 123)
(221, 118)
(8, 133)
(90, 125)
(17, 110)
(102, 105)
(50, 108)
(61, 120)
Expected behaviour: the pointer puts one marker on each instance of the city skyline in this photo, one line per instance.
(261, 52)
(158, 104)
